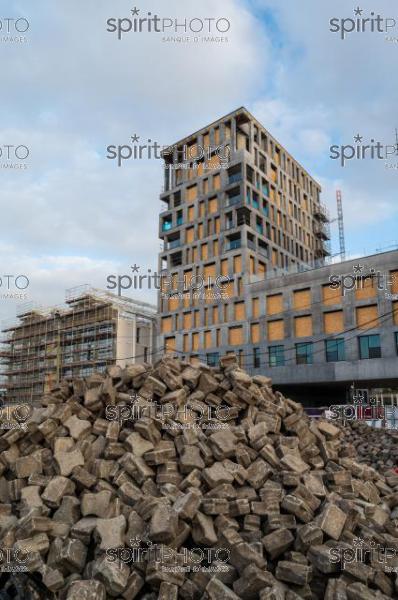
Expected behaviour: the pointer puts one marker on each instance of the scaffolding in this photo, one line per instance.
(48, 345)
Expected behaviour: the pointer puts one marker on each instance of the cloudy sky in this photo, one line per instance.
(72, 88)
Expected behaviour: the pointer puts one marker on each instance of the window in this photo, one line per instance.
(335, 350)
(304, 353)
(369, 346)
(138, 335)
(256, 358)
(213, 359)
(276, 356)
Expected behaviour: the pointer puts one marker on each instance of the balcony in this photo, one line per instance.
(234, 245)
(235, 178)
(234, 200)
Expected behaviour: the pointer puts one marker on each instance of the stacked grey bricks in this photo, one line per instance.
(213, 487)
(377, 447)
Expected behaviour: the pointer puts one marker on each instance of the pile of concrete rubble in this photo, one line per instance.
(377, 447)
(183, 481)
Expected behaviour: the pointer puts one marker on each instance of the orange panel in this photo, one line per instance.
(301, 299)
(235, 336)
(200, 231)
(394, 280)
(174, 303)
(216, 182)
(367, 317)
(191, 213)
(215, 315)
(213, 205)
(395, 313)
(197, 318)
(209, 271)
(274, 304)
(276, 330)
(195, 341)
(185, 342)
(303, 326)
(237, 264)
(240, 313)
(331, 296)
(187, 320)
(205, 252)
(190, 235)
(208, 342)
(215, 247)
(170, 344)
(255, 307)
(217, 224)
(192, 192)
(333, 322)
(365, 288)
(252, 266)
(255, 333)
(224, 267)
(167, 324)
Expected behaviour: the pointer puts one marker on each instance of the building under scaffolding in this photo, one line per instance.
(92, 330)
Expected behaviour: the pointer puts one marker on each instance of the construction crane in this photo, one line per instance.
(340, 221)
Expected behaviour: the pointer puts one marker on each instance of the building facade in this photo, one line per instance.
(236, 207)
(95, 329)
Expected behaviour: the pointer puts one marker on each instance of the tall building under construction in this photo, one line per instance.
(236, 205)
(245, 242)
(93, 330)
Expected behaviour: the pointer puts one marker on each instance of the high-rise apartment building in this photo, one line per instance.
(236, 205)
(95, 329)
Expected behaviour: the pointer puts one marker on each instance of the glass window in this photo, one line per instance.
(213, 359)
(369, 346)
(276, 356)
(256, 358)
(304, 353)
(335, 350)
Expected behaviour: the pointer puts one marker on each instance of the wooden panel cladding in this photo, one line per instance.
(209, 271)
(174, 303)
(237, 264)
(191, 213)
(213, 205)
(252, 266)
(197, 318)
(303, 326)
(170, 344)
(190, 235)
(215, 248)
(215, 315)
(276, 330)
(239, 310)
(274, 304)
(216, 182)
(187, 320)
(205, 251)
(367, 317)
(261, 269)
(167, 324)
(333, 322)
(187, 279)
(302, 299)
(224, 267)
(395, 312)
(192, 193)
(235, 335)
(331, 296)
(217, 224)
(394, 282)
(365, 287)
(255, 307)
(200, 231)
(228, 290)
(195, 341)
(255, 333)
(202, 209)
(185, 342)
(207, 339)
